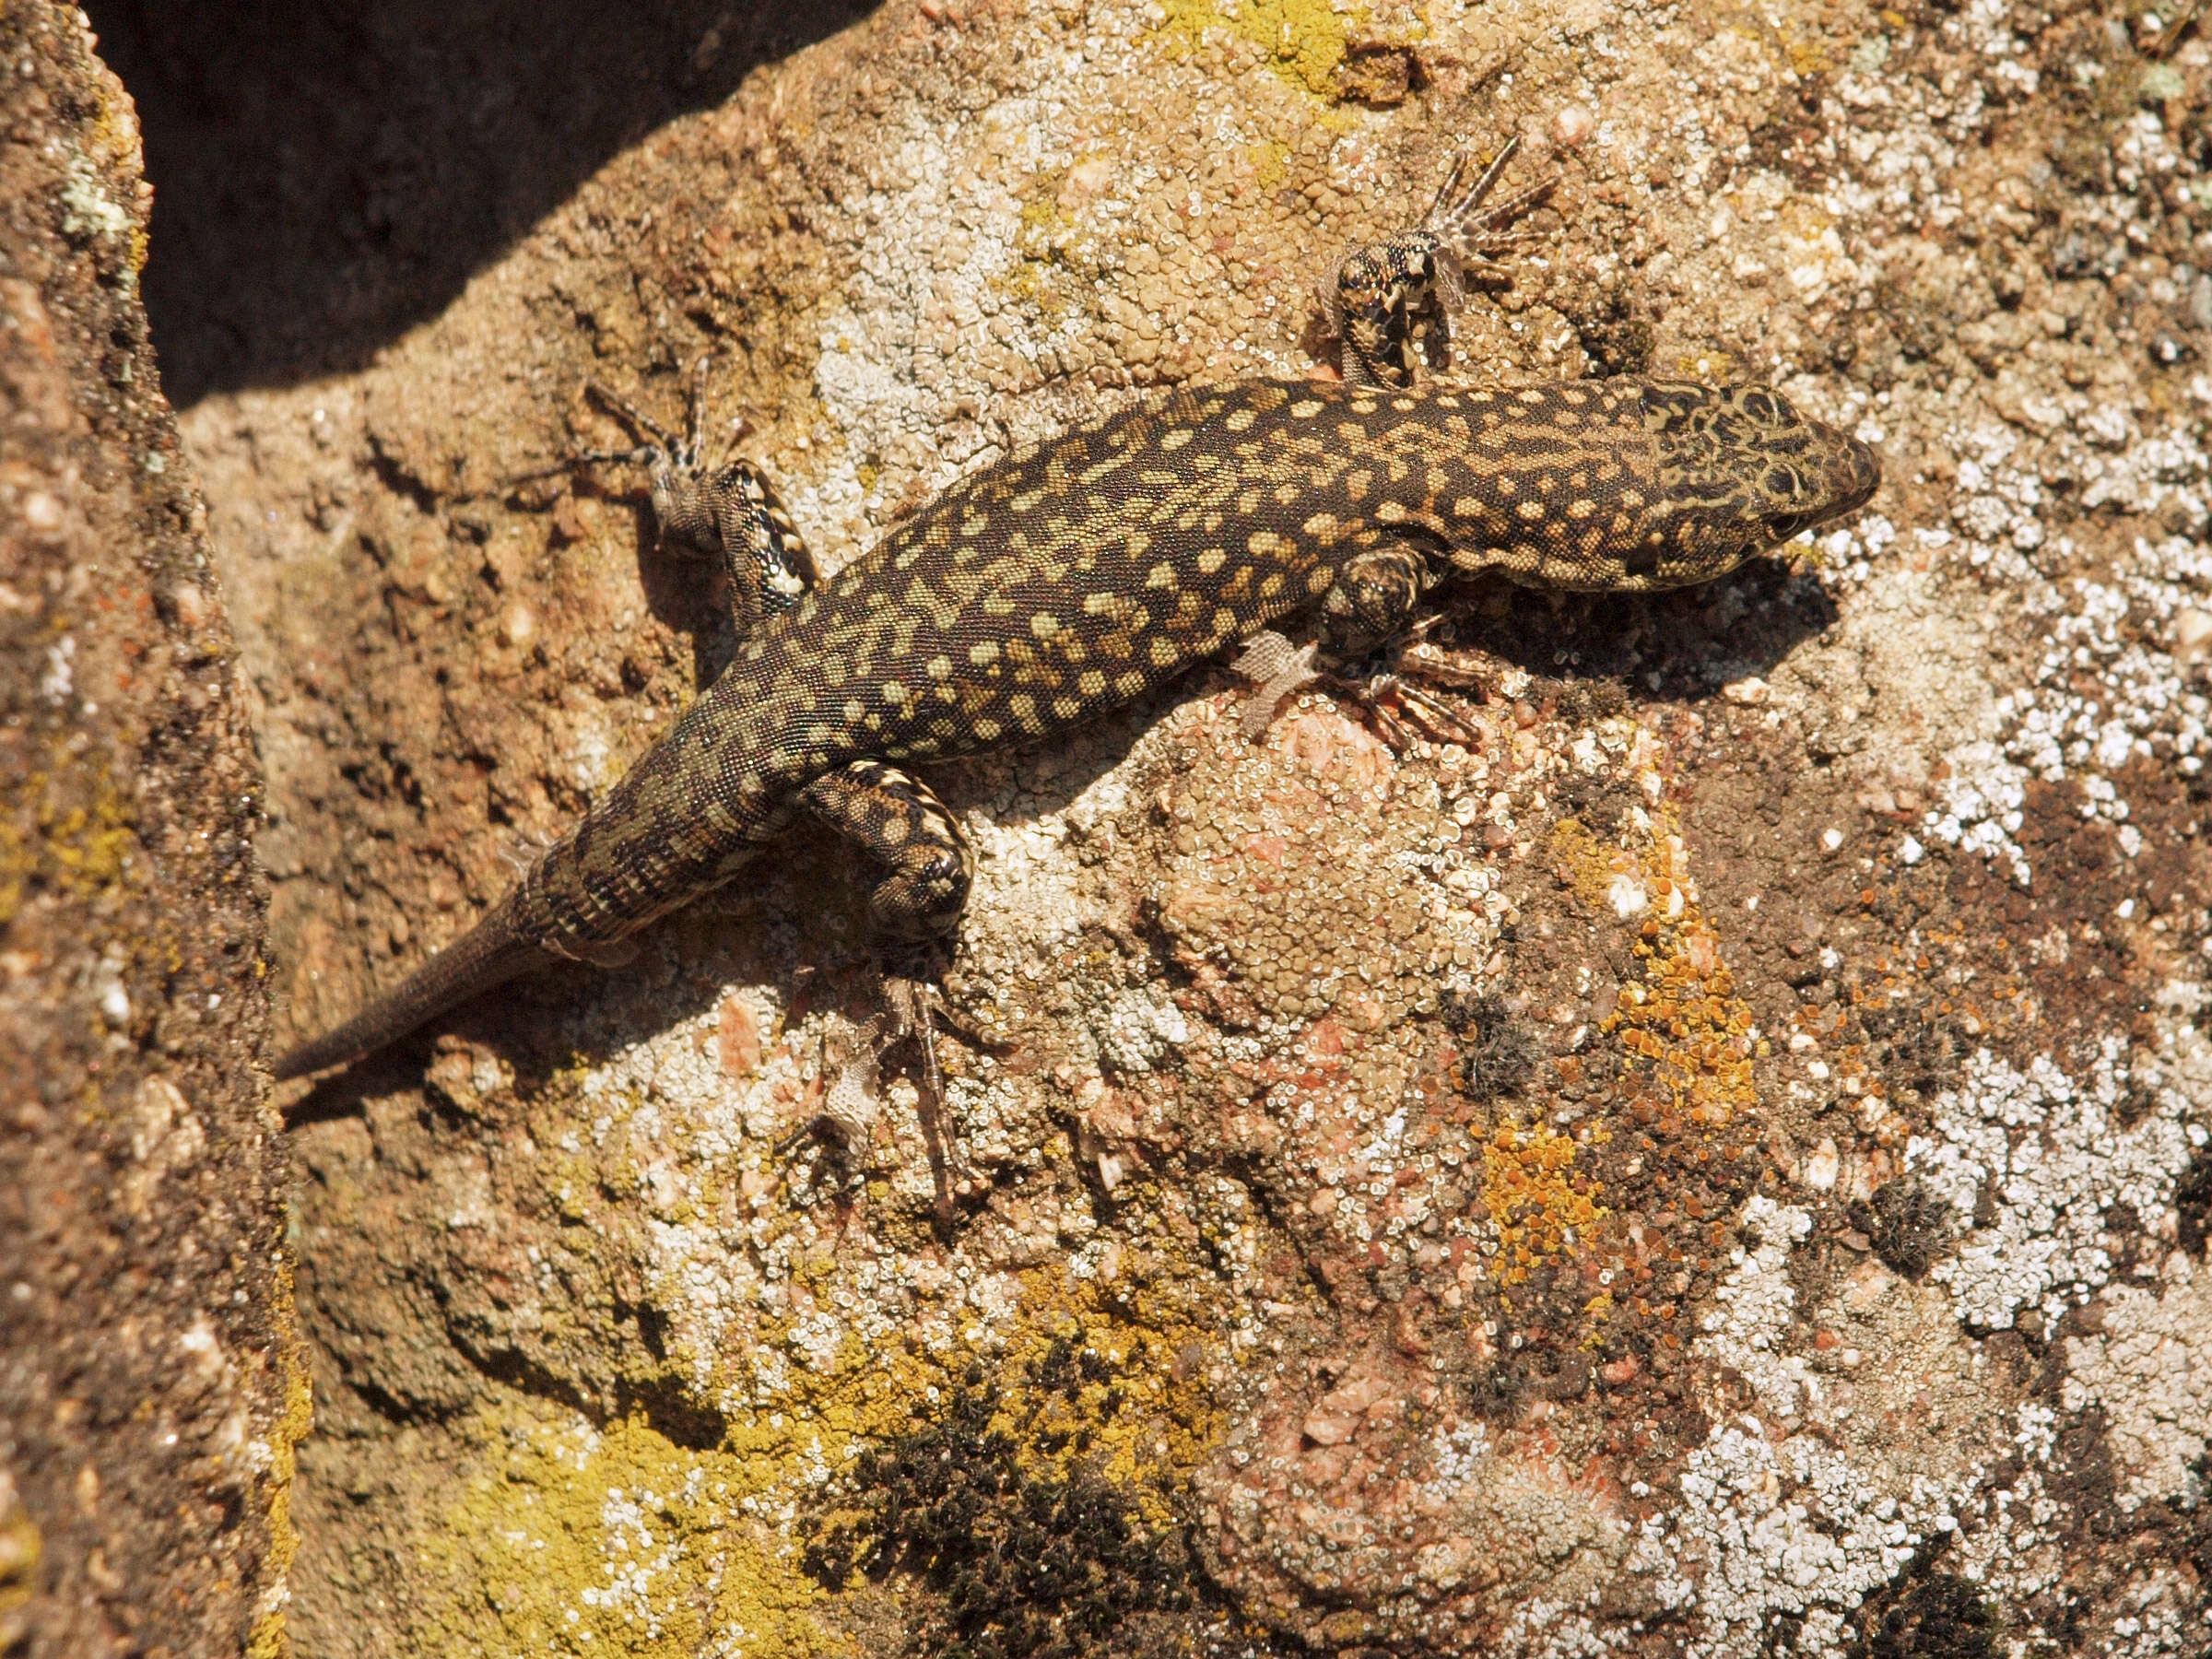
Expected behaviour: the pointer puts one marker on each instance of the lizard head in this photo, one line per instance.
(1749, 471)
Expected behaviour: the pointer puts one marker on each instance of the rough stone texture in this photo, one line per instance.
(152, 1384)
(1716, 1166)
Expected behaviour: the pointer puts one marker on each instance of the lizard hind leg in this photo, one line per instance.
(925, 869)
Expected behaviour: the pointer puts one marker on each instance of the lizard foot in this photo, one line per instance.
(842, 1124)
(913, 1011)
(1390, 302)
(1283, 669)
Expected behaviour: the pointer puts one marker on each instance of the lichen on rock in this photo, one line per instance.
(1712, 1161)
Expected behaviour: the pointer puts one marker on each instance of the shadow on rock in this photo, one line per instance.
(328, 175)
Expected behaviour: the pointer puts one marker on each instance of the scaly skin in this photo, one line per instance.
(1079, 574)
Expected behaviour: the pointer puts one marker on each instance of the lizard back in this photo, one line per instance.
(1081, 572)
(1078, 573)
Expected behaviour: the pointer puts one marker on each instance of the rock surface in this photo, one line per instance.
(152, 1382)
(1715, 1167)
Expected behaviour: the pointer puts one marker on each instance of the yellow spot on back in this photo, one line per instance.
(1212, 559)
(1175, 438)
(940, 667)
(1044, 625)
(1240, 418)
(1304, 409)
(1161, 575)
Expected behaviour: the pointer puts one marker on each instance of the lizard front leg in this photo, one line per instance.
(1388, 299)
(731, 512)
(1374, 595)
(927, 867)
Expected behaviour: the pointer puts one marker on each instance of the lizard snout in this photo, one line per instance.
(1853, 475)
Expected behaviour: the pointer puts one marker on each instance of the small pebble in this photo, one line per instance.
(43, 512)
(2192, 633)
(1572, 127)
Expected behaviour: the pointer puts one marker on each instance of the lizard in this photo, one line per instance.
(1083, 572)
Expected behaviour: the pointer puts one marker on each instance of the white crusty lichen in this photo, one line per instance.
(2033, 1163)
(2113, 684)
(2150, 1367)
(1790, 1514)
(1784, 1529)
(1751, 1310)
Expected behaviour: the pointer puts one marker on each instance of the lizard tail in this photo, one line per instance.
(489, 953)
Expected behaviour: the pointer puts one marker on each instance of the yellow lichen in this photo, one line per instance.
(566, 1539)
(570, 1540)
(1304, 40)
(268, 1638)
(21, 1545)
(1687, 1032)
(1270, 163)
(77, 840)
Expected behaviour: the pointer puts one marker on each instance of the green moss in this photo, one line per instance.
(1024, 1557)
(1040, 1502)
(1304, 40)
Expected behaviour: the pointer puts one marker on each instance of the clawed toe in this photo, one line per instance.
(1284, 670)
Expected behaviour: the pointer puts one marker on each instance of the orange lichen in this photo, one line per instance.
(1540, 1202)
(1687, 1035)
